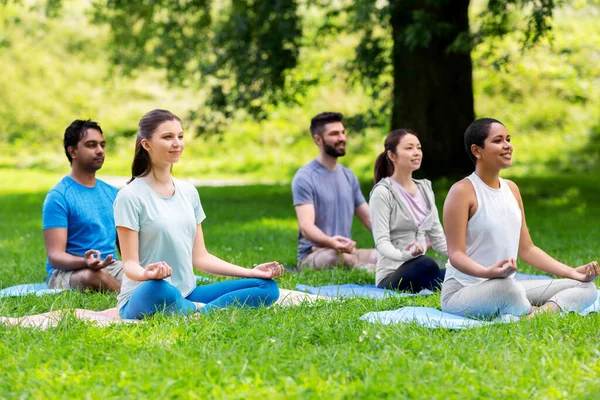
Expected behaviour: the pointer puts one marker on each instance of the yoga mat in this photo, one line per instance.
(40, 289)
(434, 318)
(352, 290)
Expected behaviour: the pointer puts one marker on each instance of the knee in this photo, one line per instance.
(514, 296)
(591, 292)
(160, 291)
(89, 278)
(271, 289)
(330, 258)
(430, 267)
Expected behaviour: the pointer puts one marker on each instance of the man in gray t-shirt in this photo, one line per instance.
(326, 197)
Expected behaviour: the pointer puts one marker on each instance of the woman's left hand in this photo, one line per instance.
(268, 270)
(587, 272)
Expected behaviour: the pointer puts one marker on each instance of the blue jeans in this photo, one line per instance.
(158, 295)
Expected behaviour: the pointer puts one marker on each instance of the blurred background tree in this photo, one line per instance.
(257, 71)
(244, 49)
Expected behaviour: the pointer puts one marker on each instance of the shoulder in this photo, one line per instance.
(380, 190)
(304, 175)
(131, 192)
(59, 191)
(462, 189)
(513, 188)
(187, 188)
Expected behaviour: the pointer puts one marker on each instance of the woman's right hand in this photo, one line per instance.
(157, 271)
(501, 269)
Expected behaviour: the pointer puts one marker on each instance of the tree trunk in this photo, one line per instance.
(433, 92)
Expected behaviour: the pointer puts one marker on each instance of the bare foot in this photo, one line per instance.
(549, 307)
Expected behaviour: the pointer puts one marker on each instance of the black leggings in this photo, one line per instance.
(414, 275)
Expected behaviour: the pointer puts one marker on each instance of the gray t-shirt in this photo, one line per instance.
(166, 227)
(334, 194)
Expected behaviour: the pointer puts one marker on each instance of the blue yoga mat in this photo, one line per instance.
(40, 289)
(434, 318)
(352, 290)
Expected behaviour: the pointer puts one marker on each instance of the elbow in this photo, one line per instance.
(304, 230)
(453, 257)
(54, 260)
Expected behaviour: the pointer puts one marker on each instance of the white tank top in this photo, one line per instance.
(494, 230)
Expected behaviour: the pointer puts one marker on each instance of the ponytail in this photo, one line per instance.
(383, 167)
(141, 160)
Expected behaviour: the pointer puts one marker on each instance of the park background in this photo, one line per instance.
(56, 65)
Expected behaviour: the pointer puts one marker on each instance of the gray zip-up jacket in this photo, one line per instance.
(394, 227)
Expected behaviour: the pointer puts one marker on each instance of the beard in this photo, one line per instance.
(332, 151)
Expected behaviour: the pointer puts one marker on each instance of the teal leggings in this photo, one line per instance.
(158, 295)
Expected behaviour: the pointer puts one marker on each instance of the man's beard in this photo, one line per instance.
(332, 151)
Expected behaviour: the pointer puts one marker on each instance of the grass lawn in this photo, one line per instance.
(310, 351)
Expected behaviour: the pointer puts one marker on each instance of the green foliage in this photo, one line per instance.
(311, 351)
(57, 69)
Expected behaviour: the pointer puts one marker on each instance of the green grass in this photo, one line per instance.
(311, 351)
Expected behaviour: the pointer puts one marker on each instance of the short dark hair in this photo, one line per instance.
(476, 134)
(75, 132)
(319, 121)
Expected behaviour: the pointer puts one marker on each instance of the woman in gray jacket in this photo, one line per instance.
(404, 218)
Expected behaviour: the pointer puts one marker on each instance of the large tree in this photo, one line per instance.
(244, 50)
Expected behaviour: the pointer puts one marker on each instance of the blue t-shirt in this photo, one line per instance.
(86, 213)
(334, 194)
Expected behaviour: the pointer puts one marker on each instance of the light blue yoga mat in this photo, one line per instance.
(352, 290)
(434, 318)
(371, 291)
(40, 289)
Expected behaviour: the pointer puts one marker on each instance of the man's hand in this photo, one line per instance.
(268, 270)
(93, 260)
(343, 244)
(587, 272)
(501, 269)
(157, 271)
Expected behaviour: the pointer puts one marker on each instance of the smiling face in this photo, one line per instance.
(166, 143)
(333, 139)
(89, 153)
(408, 154)
(497, 149)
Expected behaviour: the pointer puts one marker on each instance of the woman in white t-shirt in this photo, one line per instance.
(486, 230)
(158, 222)
(404, 218)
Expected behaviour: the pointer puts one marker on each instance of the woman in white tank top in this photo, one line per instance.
(486, 230)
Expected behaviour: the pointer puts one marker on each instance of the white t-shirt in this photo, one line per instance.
(166, 227)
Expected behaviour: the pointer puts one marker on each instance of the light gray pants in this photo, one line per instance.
(510, 296)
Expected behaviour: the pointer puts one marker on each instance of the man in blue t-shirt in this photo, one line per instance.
(326, 197)
(77, 218)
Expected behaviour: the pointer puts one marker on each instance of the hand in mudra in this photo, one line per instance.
(587, 272)
(93, 259)
(157, 271)
(503, 268)
(415, 249)
(268, 270)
